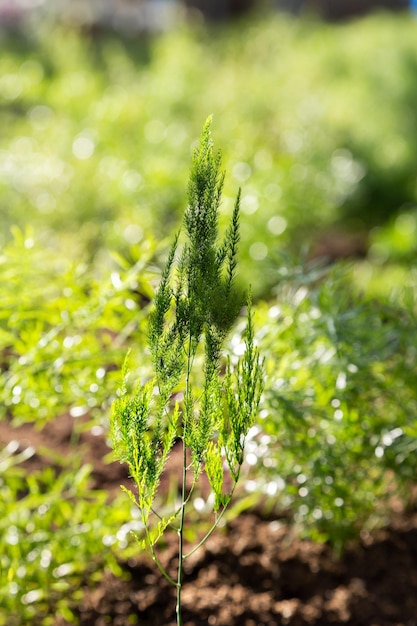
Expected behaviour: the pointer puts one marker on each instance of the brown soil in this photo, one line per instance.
(253, 572)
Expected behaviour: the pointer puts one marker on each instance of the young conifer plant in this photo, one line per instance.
(197, 398)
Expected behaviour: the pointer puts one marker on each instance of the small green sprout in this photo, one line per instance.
(196, 305)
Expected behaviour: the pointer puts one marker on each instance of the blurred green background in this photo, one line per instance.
(317, 123)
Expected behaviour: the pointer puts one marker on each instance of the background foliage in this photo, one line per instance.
(97, 132)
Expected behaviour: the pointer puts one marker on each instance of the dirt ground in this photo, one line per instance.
(253, 572)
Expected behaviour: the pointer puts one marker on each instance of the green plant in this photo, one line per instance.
(62, 329)
(62, 336)
(53, 527)
(196, 305)
(341, 378)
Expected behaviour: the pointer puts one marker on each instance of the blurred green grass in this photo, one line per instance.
(317, 124)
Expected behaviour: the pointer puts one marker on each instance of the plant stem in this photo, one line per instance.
(161, 567)
(184, 498)
(210, 532)
(155, 556)
(181, 536)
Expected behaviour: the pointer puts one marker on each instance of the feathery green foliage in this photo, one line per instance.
(197, 303)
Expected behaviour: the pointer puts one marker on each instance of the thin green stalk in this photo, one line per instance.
(181, 537)
(155, 557)
(160, 566)
(211, 531)
(184, 499)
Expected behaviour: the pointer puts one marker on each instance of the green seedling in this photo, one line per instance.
(196, 398)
